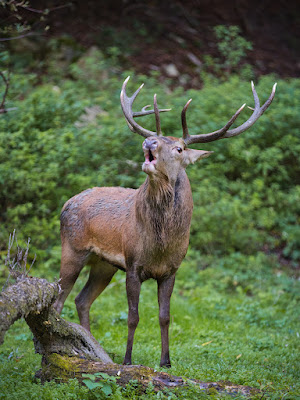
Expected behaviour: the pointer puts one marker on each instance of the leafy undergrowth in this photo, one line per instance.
(232, 319)
(70, 134)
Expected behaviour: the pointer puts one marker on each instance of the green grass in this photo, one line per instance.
(220, 330)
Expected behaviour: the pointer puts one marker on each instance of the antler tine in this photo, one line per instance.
(126, 104)
(183, 120)
(148, 112)
(258, 112)
(206, 137)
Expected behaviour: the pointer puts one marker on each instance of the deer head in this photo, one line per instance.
(167, 155)
(164, 156)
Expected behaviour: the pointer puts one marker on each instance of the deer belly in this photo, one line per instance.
(114, 258)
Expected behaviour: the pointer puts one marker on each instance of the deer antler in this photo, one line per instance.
(126, 104)
(224, 132)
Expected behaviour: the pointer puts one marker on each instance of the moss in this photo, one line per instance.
(58, 368)
(65, 363)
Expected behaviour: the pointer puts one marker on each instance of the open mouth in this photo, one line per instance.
(149, 158)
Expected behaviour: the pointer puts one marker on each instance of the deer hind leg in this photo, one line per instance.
(72, 262)
(101, 274)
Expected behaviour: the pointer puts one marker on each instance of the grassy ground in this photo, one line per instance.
(232, 319)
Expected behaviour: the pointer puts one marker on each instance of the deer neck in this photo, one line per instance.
(161, 207)
(158, 193)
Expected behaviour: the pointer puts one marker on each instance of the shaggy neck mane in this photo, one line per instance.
(159, 194)
(155, 208)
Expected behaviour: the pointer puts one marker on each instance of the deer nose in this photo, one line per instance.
(150, 143)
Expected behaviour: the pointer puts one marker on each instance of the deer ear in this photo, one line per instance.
(192, 155)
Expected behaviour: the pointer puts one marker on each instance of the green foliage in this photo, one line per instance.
(68, 137)
(231, 45)
(104, 384)
(246, 193)
(233, 49)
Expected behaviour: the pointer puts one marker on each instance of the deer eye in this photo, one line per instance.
(179, 149)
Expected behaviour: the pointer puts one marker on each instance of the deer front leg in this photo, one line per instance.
(133, 288)
(165, 289)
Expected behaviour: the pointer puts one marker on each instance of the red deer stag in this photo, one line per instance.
(144, 232)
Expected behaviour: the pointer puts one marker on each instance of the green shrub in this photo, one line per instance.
(232, 48)
(68, 137)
